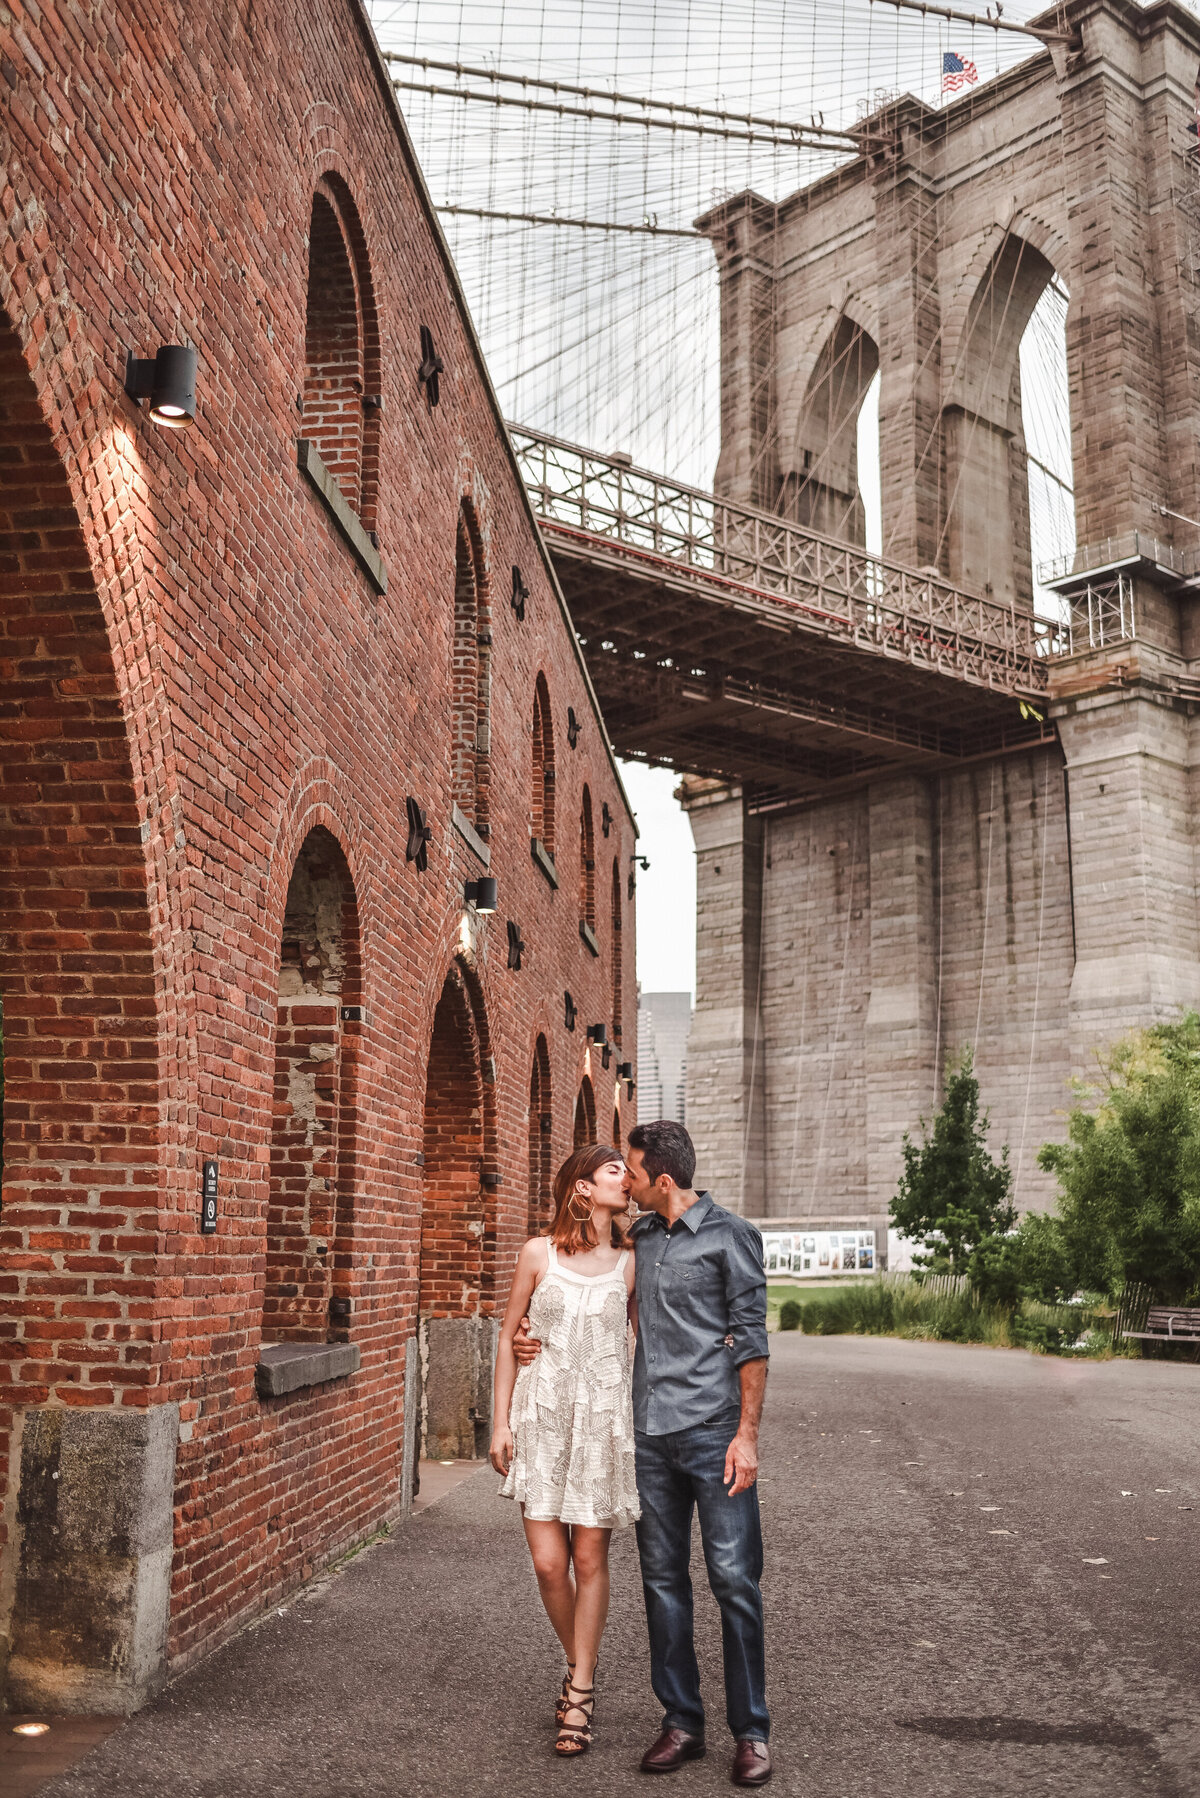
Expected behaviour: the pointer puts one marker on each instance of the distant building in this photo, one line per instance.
(664, 1020)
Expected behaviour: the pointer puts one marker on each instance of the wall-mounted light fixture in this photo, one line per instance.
(606, 818)
(516, 947)
(597, 1033)
(624, 1070)
(573, 726)
(168, 381)
(520, 593)
(483, 894)
(570, 1011)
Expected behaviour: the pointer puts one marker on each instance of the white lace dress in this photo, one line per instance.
(572, 1409)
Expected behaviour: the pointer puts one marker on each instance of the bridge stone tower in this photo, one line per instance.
(1035, 903)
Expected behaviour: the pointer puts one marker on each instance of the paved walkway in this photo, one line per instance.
(982, 1581)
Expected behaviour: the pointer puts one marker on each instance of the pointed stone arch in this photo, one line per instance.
(985, 527)
(820, 483)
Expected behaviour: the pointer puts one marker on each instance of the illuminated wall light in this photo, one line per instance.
(168, 381)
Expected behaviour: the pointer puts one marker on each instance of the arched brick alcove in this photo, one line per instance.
(310, 1208)
(82, 1099)
(541, 1200)
(585, 1115)
(456, 1336)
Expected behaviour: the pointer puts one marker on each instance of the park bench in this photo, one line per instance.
(1170, 1323)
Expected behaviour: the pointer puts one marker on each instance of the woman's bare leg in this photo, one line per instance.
(550, 1547)
(589, 1557)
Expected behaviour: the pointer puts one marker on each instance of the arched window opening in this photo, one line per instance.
(986, 534)
(587, 872)
(823, 488)
(541, 1197)
(455, 1335)
(541, 810)
(585, 1116)
(312, 1148)
(616, 952)
(470, 745)
(1046, 417)
(341, 351)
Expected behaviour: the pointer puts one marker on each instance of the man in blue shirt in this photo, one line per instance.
(699, 1375)
(698, 1381)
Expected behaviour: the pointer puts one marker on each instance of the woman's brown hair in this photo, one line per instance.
(568, 1232)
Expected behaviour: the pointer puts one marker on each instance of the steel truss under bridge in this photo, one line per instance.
(730, 642)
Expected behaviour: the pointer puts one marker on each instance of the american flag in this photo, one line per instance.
(957, 71)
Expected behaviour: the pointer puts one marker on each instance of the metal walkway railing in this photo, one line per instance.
(848, 594)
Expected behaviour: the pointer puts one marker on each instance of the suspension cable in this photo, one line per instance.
(991, 21)
(553, 218)
(804, 139)
(815, 128)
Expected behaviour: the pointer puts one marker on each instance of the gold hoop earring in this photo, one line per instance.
(571, 1211)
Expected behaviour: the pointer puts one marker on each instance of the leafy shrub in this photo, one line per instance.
(1129, 1172)
(789, 1314)
(952, 1195)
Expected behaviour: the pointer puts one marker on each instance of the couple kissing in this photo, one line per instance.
(588, 1443)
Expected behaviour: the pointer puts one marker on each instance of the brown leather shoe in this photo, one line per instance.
(751, 1764)
(672, 1748)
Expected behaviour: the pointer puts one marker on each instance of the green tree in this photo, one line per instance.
(952, 1194)
(1129, 1172)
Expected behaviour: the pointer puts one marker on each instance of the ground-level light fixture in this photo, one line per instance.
(31, 1729)
(483, 894)
(168, 381)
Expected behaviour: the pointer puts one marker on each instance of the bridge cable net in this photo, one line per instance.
(572, 207)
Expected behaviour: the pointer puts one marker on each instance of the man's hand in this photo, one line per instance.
(526, 1348)
(500, 1454)
(741, 1464)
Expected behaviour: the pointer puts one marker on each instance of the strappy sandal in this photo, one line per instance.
(576, 1738)
(560, 1703)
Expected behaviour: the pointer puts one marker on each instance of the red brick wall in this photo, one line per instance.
(196, 676)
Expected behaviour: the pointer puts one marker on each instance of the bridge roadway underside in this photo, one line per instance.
(711, 682)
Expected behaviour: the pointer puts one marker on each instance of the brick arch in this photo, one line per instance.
(541, 803)
(83, 1094)
(457, 1262)
(540, 1127)
(470, 737)
(343, 370)
(313, 1164)
(585, 1115)
(587, 860)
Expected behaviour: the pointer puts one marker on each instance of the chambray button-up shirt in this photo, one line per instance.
(697, 1283)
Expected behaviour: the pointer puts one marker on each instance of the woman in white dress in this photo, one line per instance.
(563, 1435)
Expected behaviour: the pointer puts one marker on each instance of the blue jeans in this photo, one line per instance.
(676, 1475)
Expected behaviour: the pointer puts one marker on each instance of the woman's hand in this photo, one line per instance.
(501, 1452)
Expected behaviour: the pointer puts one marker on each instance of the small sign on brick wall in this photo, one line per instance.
(208, 1200)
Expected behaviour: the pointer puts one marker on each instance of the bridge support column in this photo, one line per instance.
(901, 1022)
(726, 1072)
(1131, 769)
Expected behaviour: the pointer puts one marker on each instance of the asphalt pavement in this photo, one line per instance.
(981, 1580)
